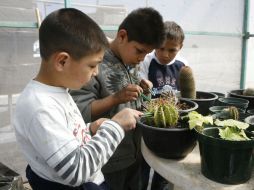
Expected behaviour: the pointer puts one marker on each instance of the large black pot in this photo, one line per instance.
(239, 94)
(204, 100)
(225, 161)
(175, 142)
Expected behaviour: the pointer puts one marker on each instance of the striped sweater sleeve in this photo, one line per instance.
(83, 161)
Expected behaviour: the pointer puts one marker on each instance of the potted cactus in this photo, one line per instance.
(226, 148)
(228, 112)
(247, 94)
(163, 130)
(188, 91)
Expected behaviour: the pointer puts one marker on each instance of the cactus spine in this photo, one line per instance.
(248, 92)
(164, 113)
(187, 83)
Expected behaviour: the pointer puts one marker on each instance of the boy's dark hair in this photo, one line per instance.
(145, 26)
(174, 31)
(71, 31)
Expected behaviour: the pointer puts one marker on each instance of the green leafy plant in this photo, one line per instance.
(198, 121)
(230, 129)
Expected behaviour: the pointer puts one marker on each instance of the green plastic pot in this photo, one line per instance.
(224, 161)
(232, 101)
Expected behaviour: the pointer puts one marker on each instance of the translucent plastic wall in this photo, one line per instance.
(212, 46)
(250, 55)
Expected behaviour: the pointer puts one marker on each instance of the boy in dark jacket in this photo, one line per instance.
(118, 86)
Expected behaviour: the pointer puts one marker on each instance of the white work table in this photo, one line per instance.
(186, 173)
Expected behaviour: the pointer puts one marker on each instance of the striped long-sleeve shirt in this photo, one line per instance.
(55, 140)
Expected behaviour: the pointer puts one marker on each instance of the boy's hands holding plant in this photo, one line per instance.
(146, 85)
(129, 93)
(126, 118)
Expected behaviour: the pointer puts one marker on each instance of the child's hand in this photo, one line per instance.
(129, 93)
(146, 85)
(127, 118)
(96, 124)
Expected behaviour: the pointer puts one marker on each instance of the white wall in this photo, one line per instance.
(250, 57)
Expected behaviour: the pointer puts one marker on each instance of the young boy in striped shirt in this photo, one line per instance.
(62, 151)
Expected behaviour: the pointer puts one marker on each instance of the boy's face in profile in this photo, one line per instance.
(132, 52)
(79, 72)
(168, 51)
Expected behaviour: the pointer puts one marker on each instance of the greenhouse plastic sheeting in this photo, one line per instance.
(215, 58)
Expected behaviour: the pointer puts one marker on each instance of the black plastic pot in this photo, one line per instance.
(220, 95)
(193, 106)
(250, 121)
(251, 112)
(232, 101)
(215, 110)
(174, 142)
(204, 100)
(228, 162)
(239, 94)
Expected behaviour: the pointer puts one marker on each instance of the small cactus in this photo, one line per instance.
(187, 83)
(162, 112)
(248, 92)
(229, 113)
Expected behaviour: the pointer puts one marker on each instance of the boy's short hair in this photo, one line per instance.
(145, 26)
(71, 31)
(174, 31)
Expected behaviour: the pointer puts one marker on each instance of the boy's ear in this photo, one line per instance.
(60, 60)
(122, 35)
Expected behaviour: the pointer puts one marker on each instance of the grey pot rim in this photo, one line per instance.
(231, 100)
(234, 92)
(247, 120)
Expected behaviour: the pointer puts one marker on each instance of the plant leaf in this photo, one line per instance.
(231, 123)
(197, 120)
(233, 134)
